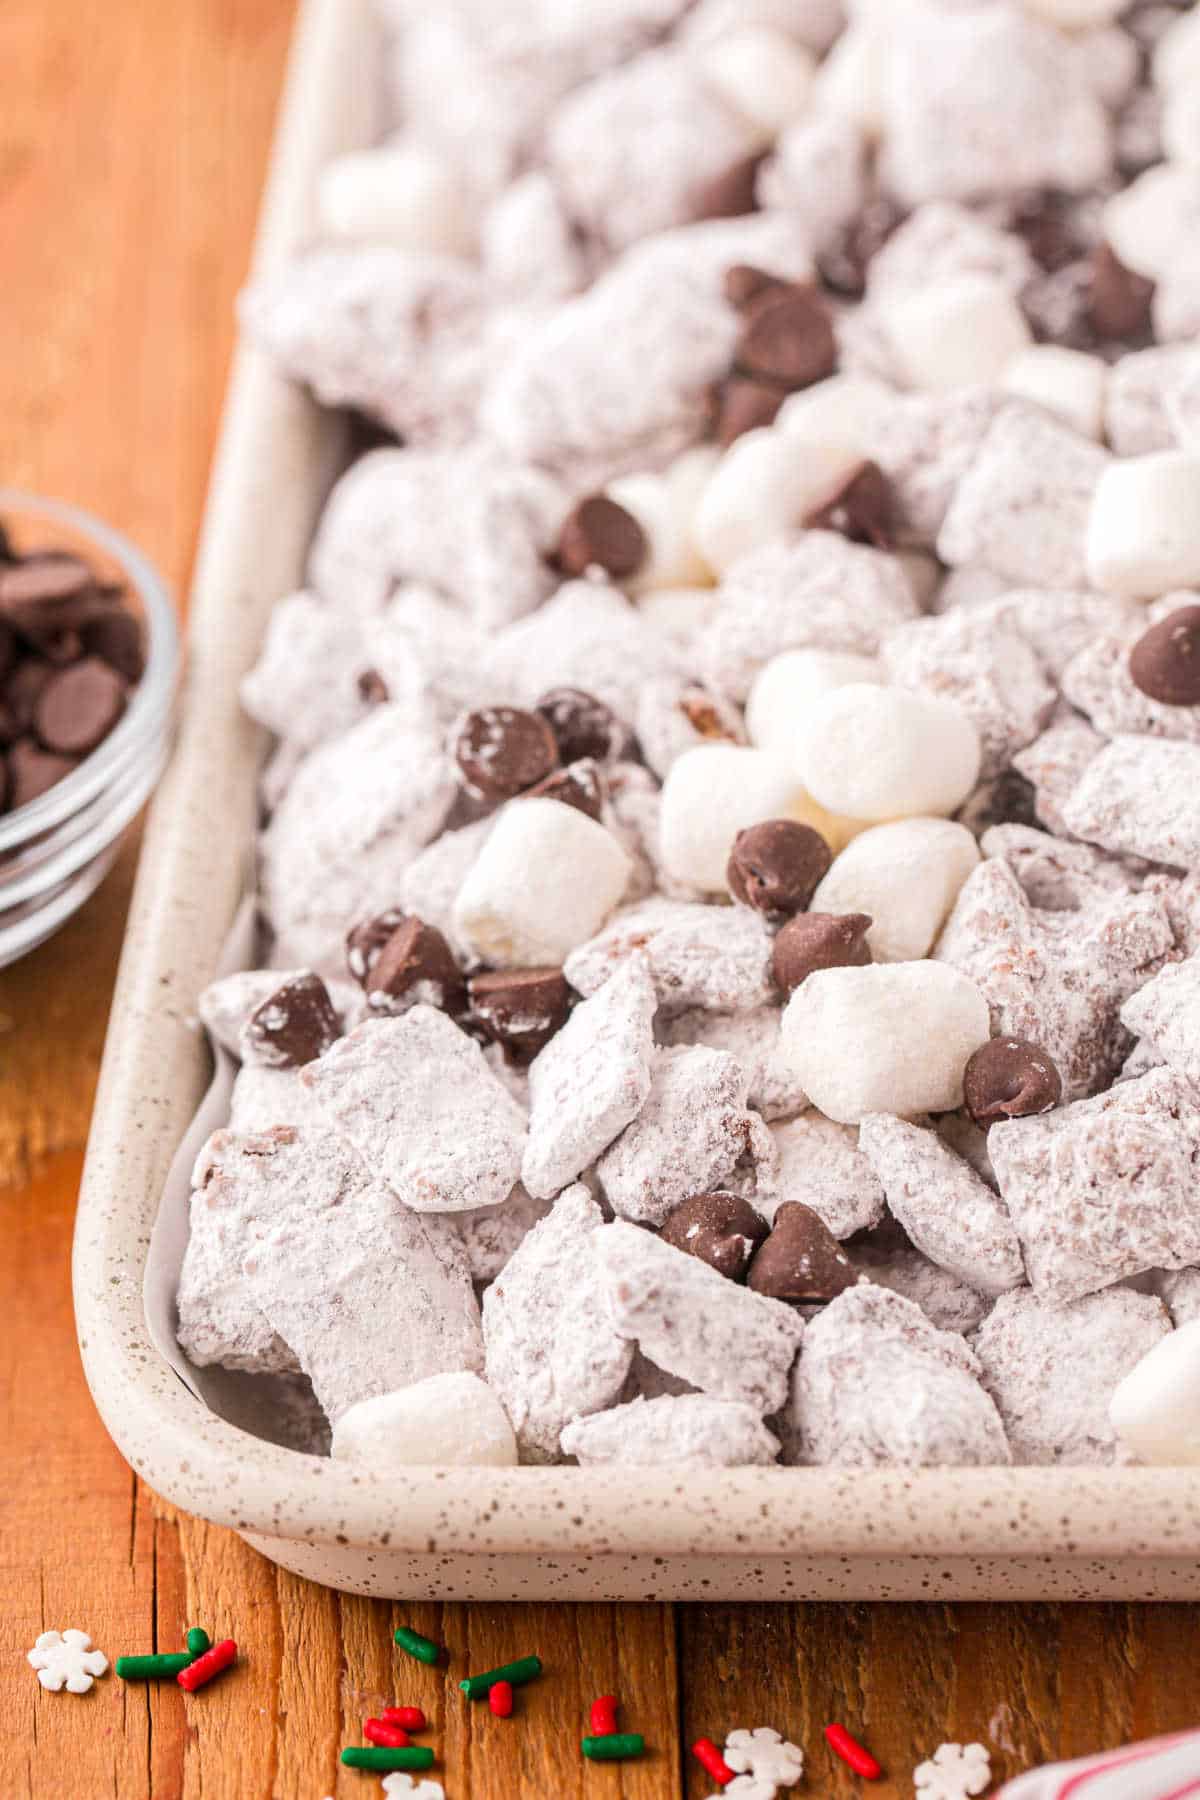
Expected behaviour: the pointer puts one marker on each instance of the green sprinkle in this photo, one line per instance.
(370, 1756)
(152, 1668)
(614, 1747)
(423, 1648)
(475, 1687)
(198, 1641)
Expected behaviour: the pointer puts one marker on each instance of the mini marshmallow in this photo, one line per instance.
(905, 876)
(960, 335)
(1144, 531)
(1145, 222)
(761, 74)
(545, 880)
(1176, 59)
(712, 793)
(891, 1037)
(454, 1421)
(686, 1431)
(850, 81)
(766, 483)
(882, 753)
(841, 412)
(1069, 383)
(1155, 1410)
(1076, 15)
(663, 506)
(1181, 122)
(789, 684)
(404, 194)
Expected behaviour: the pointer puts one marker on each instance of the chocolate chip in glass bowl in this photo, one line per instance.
(294, 1025)
(580, 785)
(1010, 1078)
(722, 1229)
(413, 964)
(598, 533)
(1165, 661)
(78, 707)
(776, 866)
(583, 726)
(801, 1261)
(520, 1009)
(502, 750)
(787, 338)
(33, 771)
(813, 941)
(115, 636)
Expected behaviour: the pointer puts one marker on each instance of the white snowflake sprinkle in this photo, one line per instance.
(424, 1788)
(955, 1772)
(747, 1787)
(766, 1755)
(66, 1659)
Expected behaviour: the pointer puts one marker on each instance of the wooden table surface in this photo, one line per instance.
(132, 143)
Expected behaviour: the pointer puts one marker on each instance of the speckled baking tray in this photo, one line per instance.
(753, 1534)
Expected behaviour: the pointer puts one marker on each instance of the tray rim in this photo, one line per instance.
(273, 460)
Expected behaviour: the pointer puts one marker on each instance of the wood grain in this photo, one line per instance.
(132, 141)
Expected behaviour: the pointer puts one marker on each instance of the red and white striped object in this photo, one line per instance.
(1165, 1768)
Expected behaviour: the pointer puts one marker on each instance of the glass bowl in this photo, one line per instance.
(55, 851)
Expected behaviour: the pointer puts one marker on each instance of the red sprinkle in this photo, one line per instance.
(388, 1737)
(603, 1716)
(707, 1754)
(852, 1752)
(208, 1665)
(500, 1699)
(411, 1717)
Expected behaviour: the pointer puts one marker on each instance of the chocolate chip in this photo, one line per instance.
(48, 585)
(373, 688)
(1010, 1078)
(414, 964)
(722, 1229)
(33, 771)
(79, 706)
(862, 508)
(1165, 661)
(744, 283)
(731, 194)
(787, 338)
(116, 638)
(294, 1025)
(599, 533)
(1120, 300)
(365, 940)
(583, 726)
(813, 941)
(775, 867)
(801, 1262)
(843, 262)
(520, 1008)
(1042, 219)
(502, 751)
(744, 405)
(580, 785)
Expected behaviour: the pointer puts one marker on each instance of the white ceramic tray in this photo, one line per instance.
(754, 1534)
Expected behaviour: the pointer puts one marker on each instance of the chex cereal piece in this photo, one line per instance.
(591, 1079)
(947, 1211)
(475, 526)
(552, 1351)
(1138, 414)
(752, 1038)
(1166, 1013)
(65, 1659)
(587, 636)
(688, 1431)
(820, 1161)
(265, 1097)
(715, 958)
(490, 1234)
(925, 443)
(810, 588)
(1052, 1369)
(886, 1257)
(877, 1384)
(1060, 876)
(1059, 622)
(765, 1754)
(687, 1318)
(1058, 979)
(1140, 796)
(1055, 763)
(453, 1419)
(1105, 1187)
(954, 1772)
(527, 246)
(691, 1133)
(238, 1182)
(1022, 508)
(941, 241)
(1098, 681)
(416, 1099)
(429, 655)
(305, 685)
(326, 1245)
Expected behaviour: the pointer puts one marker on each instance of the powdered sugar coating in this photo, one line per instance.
(886, 1257)
(1105, 1187)
(1140, 796)
(552, 1350)
(263, 1097)
(591, 1079)
(416, 1099)
(1099, 683)
(821, 1164)
(877, 1385)
(728, 1341)
(304, 686)
(491, 1235)
(689, 1136)
(1052, 1369)
(752, 1038)
(1137, 417)
(586, 636)
(925, 444)
(692, 1431)
(714, 958)
(1055, 763)
(1166, 1014)
(947, 1211)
